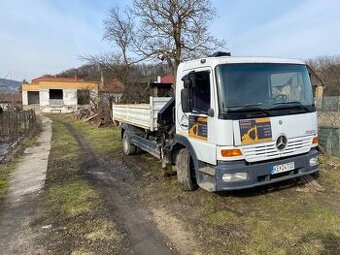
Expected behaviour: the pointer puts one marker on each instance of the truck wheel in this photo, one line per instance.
(185, 171)
(128, 148)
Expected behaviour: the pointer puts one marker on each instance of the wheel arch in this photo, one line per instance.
(129, 128)
(123, 128)
(181, 142)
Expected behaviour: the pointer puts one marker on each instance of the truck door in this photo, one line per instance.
(197, 121)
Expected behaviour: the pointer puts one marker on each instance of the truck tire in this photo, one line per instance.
(185, 171)
(128, 148)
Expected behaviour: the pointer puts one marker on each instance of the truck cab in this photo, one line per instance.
(243, 122)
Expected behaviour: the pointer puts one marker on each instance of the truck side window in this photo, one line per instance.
(201, 92)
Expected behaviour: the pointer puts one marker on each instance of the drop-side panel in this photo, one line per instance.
(140, 115)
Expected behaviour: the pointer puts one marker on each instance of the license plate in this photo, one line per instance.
(282, 168)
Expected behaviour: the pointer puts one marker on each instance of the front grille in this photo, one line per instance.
(261, 152)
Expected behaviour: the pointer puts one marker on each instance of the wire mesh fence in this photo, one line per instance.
(329, 124)
(15, 124)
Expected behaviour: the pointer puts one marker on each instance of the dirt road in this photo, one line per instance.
(116, 184)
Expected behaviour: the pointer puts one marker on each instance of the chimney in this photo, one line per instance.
(101, 79)
(158, 79)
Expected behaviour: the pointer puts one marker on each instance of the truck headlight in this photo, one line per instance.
(314, 161)
(235, 177)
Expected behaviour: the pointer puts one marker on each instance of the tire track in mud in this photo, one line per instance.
(115, 182)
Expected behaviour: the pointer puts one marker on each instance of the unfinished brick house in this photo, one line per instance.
(58, 95)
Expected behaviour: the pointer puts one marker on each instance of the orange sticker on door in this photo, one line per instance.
(198, 127)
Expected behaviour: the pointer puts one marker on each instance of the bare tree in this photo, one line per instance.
(119, 29)
(328, 69)
(174, 30)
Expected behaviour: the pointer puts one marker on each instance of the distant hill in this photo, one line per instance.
(9, 85)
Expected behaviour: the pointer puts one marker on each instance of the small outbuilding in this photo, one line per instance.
(162, 86)
(112, 91)
(10, 100)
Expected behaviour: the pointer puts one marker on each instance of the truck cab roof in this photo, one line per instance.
(214, 61)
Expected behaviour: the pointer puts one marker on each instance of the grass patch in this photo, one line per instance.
(5, 171)
(285, 222)
(63, 163)
(104, 140)
(285, 231)
(330, 172)
(222, 218)
(72, 204)
(72, 199)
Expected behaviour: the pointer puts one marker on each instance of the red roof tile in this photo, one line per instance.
(10, 97)
(168, 79)
(56, 79)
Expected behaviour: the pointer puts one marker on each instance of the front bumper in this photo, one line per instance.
(259, 173)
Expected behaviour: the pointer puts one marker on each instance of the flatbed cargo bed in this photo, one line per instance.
(140, 115)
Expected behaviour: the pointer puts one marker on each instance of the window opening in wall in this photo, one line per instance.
(33, 97)
(83, 97)
(56, 94)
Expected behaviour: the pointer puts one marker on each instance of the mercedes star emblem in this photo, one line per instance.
(281, 142)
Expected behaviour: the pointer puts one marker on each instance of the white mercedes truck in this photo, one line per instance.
(234, 123)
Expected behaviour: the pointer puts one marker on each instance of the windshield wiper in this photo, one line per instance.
(294, 103)
(247, 108)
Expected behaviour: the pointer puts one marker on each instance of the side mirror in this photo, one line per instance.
(186, 100)
(189, 80)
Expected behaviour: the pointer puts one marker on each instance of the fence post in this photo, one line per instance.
(24, 122)
(1, 124)
(9, 124)
(17, 130)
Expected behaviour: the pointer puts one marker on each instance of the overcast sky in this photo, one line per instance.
(48, 36)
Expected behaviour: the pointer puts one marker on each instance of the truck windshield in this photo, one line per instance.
(254, 90)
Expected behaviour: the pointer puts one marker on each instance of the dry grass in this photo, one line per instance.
(5, 171)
